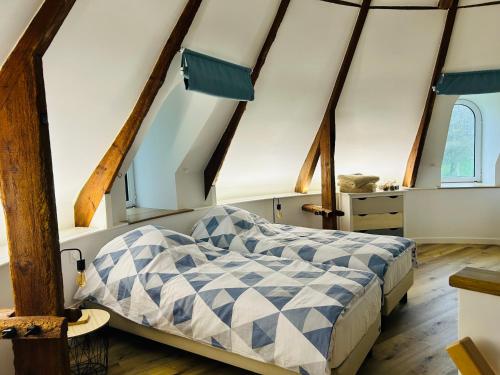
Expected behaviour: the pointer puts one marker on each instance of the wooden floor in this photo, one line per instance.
(412, 342)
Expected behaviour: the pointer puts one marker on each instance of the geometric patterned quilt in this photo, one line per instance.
(235, 229)
(273, 310)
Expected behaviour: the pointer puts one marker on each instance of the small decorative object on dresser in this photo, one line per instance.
(375, 213)
(357, 183)
(88, 343)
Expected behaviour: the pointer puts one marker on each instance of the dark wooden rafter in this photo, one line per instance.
(217, 159)
(415, 156)
(27, 191)
(445, 4)
(324, 141)
(103, 177)
(307, 170)
(441, 5)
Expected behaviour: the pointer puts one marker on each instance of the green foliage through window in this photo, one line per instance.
(459, 154)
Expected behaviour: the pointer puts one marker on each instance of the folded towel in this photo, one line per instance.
(368, 188)
(356, 181)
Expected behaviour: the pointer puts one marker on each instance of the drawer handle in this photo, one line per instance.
(362, 214)
(393, 196)
(393, 213)
(360, 199)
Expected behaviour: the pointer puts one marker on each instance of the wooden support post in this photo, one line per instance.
(101, 180)
(324, 142)
(27, 191)
(415, 156)
(217, 159)
(307, 171)
(30, 216)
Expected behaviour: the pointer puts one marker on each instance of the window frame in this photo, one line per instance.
(130, 187)
(478, 140)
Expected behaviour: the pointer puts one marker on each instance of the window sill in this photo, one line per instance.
(466, 185)
(139, 214)
(266, 197)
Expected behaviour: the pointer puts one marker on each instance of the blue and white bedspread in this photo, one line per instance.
(273, 310)
(238, 230)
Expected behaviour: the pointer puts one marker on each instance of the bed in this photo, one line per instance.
(390, 258)
(244, 310)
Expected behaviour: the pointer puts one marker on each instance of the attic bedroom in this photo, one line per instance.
(237, 187)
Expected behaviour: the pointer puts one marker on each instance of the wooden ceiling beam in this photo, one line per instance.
(103, 177)
(309, 165)
(27, 191)
(217, 159)
(445, 4)
(412, 165)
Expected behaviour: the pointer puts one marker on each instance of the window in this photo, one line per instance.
(130, 196)
(462, 154)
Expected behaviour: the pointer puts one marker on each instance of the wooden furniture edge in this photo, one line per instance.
(477, 280)
(468, 358)
(146, 217)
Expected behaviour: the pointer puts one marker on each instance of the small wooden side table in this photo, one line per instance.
(88, 343)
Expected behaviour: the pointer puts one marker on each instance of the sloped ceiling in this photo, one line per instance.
(379, 110)
(104, 52)
(291, 95)
(101, 58)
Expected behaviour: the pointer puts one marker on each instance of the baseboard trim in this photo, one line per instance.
(456, 240)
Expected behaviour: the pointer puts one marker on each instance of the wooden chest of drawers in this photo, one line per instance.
(376, 213)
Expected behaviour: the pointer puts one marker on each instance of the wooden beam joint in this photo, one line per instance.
(32, 327)
(320, 211)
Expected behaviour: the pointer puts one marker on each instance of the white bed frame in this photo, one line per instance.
(349, 367)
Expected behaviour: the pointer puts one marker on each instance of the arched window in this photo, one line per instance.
(462, 154)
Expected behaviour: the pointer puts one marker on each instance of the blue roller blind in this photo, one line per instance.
(216, 77)
(480, 82)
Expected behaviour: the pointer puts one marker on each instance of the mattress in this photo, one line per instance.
(397, 270)
(354, 324)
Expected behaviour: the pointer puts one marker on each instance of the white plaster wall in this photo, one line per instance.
(429, 171)
(457, 215)
(165, 145)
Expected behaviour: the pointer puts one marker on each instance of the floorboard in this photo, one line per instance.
(413, 340)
